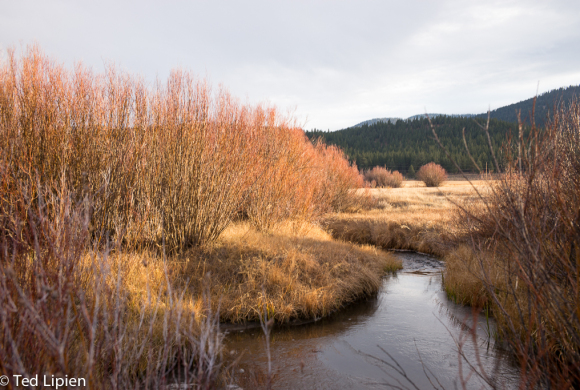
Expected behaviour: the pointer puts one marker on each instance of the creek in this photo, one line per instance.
(408, 336)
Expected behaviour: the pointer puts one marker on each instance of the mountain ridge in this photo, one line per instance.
(545, 103)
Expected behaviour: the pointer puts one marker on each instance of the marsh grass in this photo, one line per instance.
(413, 217)
(295, 272)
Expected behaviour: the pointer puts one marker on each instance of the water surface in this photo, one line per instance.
(409, 335)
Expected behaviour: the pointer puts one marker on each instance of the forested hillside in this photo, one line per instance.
(545, 104)
(403, 144)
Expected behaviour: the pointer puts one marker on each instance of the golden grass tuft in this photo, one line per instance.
(462, 278)
(298, 272)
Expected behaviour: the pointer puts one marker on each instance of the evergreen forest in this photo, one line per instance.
(409, 144)
(545, 105)
(406, 145)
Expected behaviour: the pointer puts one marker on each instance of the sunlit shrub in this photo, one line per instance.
(432, 174)
(174, 163)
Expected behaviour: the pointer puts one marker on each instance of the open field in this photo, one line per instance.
(412, 217)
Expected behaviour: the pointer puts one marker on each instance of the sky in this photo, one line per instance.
(331, 63)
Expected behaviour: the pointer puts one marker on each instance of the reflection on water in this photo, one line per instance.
(411, 319)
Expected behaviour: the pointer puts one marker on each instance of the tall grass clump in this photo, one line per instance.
(525, 252)
(382, 177)
(433, 175)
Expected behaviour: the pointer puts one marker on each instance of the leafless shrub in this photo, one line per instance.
(64, 309)
(432, 174)
(524, 241)
(383, 177)
(175, 163)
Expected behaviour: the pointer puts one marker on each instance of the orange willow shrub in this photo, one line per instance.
(339, 178)
(284, 187)
(384, 177)
(300, 181)
(174, 163)
(432, 174)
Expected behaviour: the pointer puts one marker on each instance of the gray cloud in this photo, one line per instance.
(337, 62)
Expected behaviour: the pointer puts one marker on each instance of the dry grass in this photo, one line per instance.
(297, 272)
(304, 273)
(413, 217)
(70, 308)
(463, 277)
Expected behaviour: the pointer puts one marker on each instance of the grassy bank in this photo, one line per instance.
(296, 272)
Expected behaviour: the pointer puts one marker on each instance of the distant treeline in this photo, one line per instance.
(400, 145)
(406, 143)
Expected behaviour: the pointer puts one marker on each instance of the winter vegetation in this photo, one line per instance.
(517, 252)
(433, 175)
(510, 245)
(134, 219)
(382, 177)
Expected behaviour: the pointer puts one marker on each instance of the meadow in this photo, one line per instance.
(412, 217)
(136, 219)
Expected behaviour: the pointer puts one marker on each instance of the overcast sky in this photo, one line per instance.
(336, 63)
